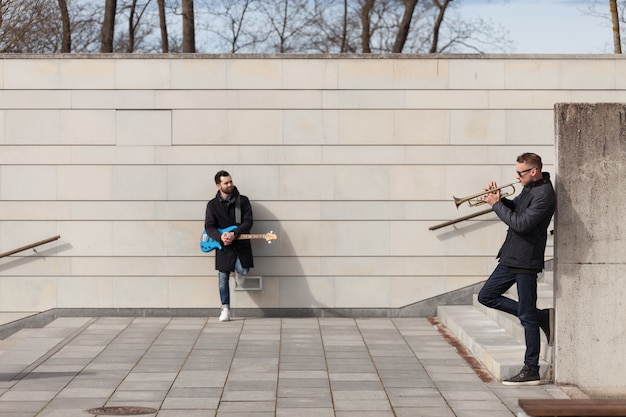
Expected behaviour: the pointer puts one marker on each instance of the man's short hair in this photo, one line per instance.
(219, 175)
(531, 159)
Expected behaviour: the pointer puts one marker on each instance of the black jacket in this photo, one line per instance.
(220, 214)
(528, 216)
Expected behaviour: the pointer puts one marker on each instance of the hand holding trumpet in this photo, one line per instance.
(492, 197)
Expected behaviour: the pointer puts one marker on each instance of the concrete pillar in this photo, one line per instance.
(590, 247)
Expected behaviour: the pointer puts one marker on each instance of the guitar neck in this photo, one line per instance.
(251, 236)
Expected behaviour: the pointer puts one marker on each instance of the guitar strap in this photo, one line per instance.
(237, 211)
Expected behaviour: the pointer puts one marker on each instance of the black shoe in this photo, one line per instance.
(525, 377)
(546, 323)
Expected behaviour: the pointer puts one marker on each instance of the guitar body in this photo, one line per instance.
(207, 244)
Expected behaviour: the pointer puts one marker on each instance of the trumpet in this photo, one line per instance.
(476, 199)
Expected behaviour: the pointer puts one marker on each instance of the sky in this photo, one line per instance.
(547, 26)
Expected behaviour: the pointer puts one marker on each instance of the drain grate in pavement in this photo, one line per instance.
(120, 411)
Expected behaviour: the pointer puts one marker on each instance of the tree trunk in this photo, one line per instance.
(344, 29)
(437, 27)
(189, 33)
(366, 34)
(165, 44)
(131, 27)
(405, 25)
(617, 41)
(66, 43)
(108, 26)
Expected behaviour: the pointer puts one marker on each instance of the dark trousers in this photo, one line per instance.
(490, 295)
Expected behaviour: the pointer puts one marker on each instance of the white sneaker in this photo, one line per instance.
(239, 279)
(225, 315)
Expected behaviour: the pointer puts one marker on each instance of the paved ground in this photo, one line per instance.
(253, 367)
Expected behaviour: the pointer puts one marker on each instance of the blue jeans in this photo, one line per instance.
(223, 278)
(490, 295)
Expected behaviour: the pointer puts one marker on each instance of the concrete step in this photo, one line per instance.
(501, 353)
(511, 324)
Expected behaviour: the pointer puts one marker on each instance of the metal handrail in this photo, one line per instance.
(460, 219)
(32, 245)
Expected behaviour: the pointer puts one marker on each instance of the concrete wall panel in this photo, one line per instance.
(348, 159)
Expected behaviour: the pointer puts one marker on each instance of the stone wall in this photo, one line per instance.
(349, 159)
(590, 245)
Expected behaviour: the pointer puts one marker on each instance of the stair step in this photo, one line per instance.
(501, 353)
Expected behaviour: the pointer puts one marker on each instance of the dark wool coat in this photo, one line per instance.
(528, 216)
(220, 214)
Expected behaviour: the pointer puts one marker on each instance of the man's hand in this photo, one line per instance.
(228, 238)
(493, 197)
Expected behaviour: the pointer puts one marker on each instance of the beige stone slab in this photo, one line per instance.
(200, 127)
(362, 265)
(267, 298)
(311, 127)
(364, 99)
(575, 74)
(32, 127)
(200, 74)
(23, 182)
(84, 183)
(215, 155)
(309, 74)
(114, 155)
(34, 155)
(143, 127)
(197, 99)
(279, 99)
(414, 237)
(113, 99)
(87, 74)
(594, 96)
(534, 127)
(78, 291)
(41, 210)
(476, 74)
(307, 292)
(255, 127)
(31, 74)
(366, 127)
(450, 265)
(302, 183)
(423, 74)
(279, 155)
(406, 290)
(477, 127)
(362, 292)
(375, 74)
(27, 293)
(363, 155)
(35, 99)
(143, 74)
(532, 74)
(89, 127)
(191, 292)
(447, 99)
(525, 99)
(361, 210)
(140, 292)
(254, 74)
(139, 182)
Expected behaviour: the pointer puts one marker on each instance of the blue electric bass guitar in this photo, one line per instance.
(207, 244)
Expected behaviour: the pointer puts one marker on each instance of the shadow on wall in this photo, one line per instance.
(285, 285)
(24, 258)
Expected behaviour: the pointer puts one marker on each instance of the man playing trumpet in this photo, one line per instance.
(521, 258)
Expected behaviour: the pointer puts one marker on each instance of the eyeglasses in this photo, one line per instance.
(520, 173)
